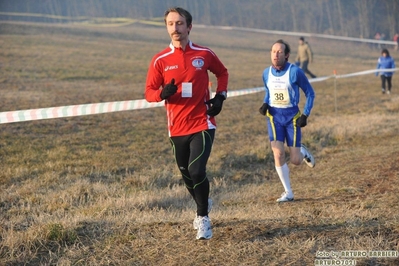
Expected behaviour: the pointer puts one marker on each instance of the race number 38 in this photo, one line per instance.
(281, 98)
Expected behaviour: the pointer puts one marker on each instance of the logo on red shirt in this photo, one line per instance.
(198, 63)
(171, 67)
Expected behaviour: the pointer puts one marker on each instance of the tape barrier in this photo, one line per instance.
(91, 109)
(109, 107)
(74, 110)
(365, 72)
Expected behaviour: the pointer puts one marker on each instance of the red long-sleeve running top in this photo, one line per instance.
(186, 115)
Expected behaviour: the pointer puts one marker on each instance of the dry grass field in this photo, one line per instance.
(104, 189)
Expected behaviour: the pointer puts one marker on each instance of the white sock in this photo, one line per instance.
(284, 174)
(303, 154)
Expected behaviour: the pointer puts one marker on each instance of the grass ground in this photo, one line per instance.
(104, 189)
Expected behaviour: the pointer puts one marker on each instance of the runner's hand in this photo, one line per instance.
(168, 90)
(216, 105)
(263, 109)
(302, 121)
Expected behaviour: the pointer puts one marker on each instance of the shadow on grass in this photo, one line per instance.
(264, 230)
(171, 203)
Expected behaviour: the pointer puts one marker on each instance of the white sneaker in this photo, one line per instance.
(195, 222)
(308, 158)
(204, 228)
(388, 92)
(285, 197)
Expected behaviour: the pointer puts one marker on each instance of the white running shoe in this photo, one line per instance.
(308, 158)
(195, 222)
(285, 197)
(204, 228)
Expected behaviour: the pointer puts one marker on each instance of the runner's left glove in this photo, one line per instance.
(216, 105)
(302, 121)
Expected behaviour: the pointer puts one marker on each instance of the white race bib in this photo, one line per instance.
(187, 90)
(279, 89)
(279, 97)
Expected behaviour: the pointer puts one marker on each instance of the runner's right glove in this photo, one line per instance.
(168, 90)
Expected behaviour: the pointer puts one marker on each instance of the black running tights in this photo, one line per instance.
(191, 153)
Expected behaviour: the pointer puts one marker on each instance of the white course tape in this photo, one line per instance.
(366, 72)
(90, 109)
(74, 110)
(108, 107)
(320, 79)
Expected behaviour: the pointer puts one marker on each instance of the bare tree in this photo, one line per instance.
(363, 15)
(328, 7)
(294, 18)
(341, 19)
(392, 10)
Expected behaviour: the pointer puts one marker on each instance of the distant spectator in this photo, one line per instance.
(382, 38)
(377, 37)
(396, 40)
(304, 56)
(385, 61)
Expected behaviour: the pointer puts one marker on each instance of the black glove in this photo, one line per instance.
(216, 106)
(169, 90)
(302, 121)
(263, 109)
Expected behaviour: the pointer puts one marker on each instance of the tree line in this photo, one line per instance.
(354, 18)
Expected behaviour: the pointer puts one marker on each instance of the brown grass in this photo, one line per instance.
(104, 189)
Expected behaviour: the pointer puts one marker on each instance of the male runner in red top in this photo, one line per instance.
(179, 75)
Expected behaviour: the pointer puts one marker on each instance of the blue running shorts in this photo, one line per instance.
(281, 125)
